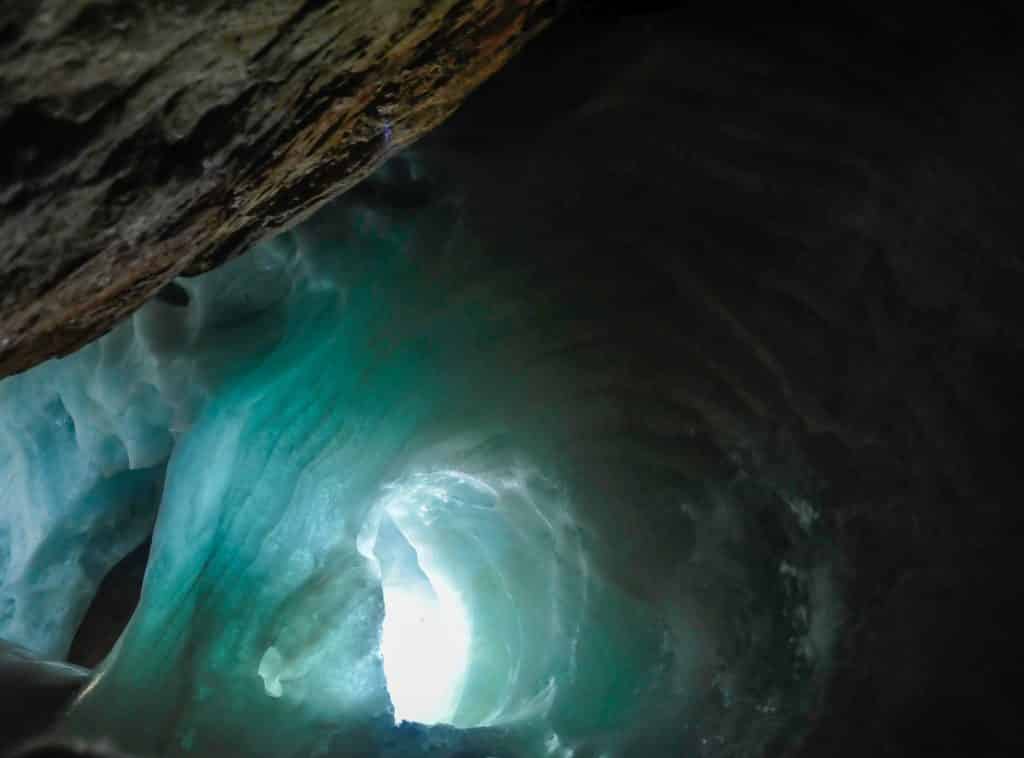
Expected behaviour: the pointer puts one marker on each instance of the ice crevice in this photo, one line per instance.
(392, 511)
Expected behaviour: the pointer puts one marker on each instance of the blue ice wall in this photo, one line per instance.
(84, 441)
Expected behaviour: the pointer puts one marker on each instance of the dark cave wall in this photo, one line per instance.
(33, 692)
(817, 234)
(110, 611)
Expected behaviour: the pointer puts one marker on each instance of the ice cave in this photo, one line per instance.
(387, 495)
(655, 403)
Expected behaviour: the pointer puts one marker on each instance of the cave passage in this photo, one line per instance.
(658, 401)
(396, 515)
(424, 637)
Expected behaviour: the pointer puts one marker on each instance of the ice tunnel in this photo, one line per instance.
(399, 506)
(509, 379)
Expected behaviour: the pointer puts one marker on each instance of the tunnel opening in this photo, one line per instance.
(425, 634)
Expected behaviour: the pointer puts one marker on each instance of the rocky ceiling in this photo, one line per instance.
(823, 214)
(143, 140)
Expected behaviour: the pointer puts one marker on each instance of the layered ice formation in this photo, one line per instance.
(393, 516)
(84, 439)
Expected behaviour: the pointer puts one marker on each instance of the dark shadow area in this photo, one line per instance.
(110, 610)
(822, 209)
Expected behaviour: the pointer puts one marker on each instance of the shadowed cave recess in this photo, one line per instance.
(546, 440)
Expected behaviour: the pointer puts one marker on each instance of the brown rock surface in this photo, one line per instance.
(144, 140)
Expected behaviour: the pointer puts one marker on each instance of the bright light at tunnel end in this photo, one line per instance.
(425, 646)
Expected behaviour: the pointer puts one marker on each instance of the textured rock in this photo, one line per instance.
(33, 692)
(142, 140)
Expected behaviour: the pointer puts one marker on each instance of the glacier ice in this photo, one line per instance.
(85, 440)
(387, 488)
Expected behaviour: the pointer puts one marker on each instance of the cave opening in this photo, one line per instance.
(425, 634)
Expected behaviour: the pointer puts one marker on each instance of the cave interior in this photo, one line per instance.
(659, 402)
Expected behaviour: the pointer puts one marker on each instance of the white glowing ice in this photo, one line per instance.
(425, 636)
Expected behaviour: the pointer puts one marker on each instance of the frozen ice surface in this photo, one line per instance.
(84, 441)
